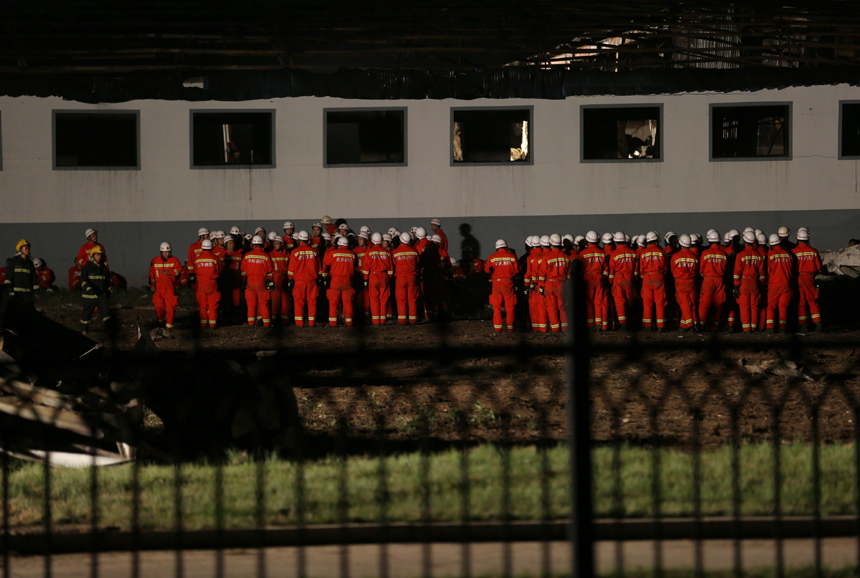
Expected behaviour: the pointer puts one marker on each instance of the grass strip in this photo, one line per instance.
(484, 483)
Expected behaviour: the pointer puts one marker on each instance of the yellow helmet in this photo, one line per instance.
(21, 243)
(96, 249)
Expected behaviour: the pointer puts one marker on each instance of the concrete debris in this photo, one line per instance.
(779, 367)
(842, 261)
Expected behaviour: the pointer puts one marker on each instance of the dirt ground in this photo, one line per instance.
(439, 384)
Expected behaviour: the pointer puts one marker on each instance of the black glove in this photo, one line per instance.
(737, 292)
(192, 278)
(270, 285)
(541, 290)
(290, 284)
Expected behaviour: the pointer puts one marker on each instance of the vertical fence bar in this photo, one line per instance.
(4, 423)
(580, 532)
(94, 513)
(47, 509)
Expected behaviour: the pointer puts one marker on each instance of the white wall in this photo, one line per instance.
(166, 189)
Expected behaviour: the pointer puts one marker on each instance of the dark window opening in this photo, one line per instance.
(492, 136)
(232, 139)
(616, 133)
(750, 131)
(850, 130)
(355, 137)
(96, 140)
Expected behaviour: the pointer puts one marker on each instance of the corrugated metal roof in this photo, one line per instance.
(512, 82)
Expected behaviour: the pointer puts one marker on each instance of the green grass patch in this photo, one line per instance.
(789, 572)
(484, 483)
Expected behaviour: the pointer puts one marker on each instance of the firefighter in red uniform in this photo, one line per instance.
(257, 272)
(781, 275)
(92, 237)
(712, 294)
(502, 267)
(555, 269)
(207, 269)
(405, 259)
(289, 242)
(808, 266)
(623, 271)
(377, 269)
(730, 246)
(761, 247)
(595, 269)
(749, 274)
(44, 275)
(532, 286)
(316, 239)
(339, 269)
(471, 264)
(217, 238)
(653, 268)
(304, 271)
(685, 268)
(231, 279)
(362, 296)
(164, 275)
(436, 225)
(458, 276)
(328, 227)
(280, 292)
(194, 251)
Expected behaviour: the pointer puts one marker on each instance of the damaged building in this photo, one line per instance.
(145, 121)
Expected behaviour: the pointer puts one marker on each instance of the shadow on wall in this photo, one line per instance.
(469, 240)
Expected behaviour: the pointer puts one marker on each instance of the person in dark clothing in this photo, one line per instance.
(95, 283)
(21, 280)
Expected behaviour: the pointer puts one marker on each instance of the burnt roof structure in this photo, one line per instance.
(160, 43)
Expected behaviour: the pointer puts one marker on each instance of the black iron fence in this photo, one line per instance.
(433, 434)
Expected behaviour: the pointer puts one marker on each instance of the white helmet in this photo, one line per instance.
(578, 239)
(774, 240)
(436, 239)
(393, 231)
(89, 232)
(544, 240)
(376, 238)
(278, 239)
(420, 232)
(533, 241)
(257, 240)
(591, 236)
(758, 232)
(248, 237)
(641, 241)
(413, 229)
(326, 220)
(200, 232)
(303, 236)
(228, 239)
(567, 237)
(734, 234)
(234, 230)
(783, 232)
(165, 247)
(685, 240)
(258, 230)
(749, 230)
(206, 244)
(555, 239)
(713, 236)
(364, 229)
(386, 237)
(288, 225)
(342, 242)
(802, 235)
(364, 235)
(343, 227)
(212, 236)
(37, 262)
(501, 244)
(436, 222)
(803, 229)
(708, 233)
(727, 238)
(219, 234)
(271, 236)
(695, 238)
(618, 237)
(405, 238)
(652, 236)
(326, 236)
(761, 239)
(668, 236)
(607, 237)
(453, 262)
(318, 225)
(749, 237)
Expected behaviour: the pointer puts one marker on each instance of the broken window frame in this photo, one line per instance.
(401, 109)
(788, 131)
(230, 166)
(531, 138)
(65, 112)
(842, 155)
(658, 146)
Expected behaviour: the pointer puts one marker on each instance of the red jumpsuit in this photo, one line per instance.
(653, 266)
(623, 270)
(502, 267)
(406, 284)
(808, 266)
(762, 312)
(45, 276)
(74, 277)
(207, 268)
(281, 293)
(781, 272)
(712, 295)
(749, 274)
(444, 244)
(231, 283)
(256, 270)
(362, 295)
(672, 309)
(84, 254)
(193, 252)
(595, 268)
(534, 283)
(164, 276)
(339, 268)
(304, 270)
(377, 269)
(685, 268)
(555, 270)
(473, 266)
